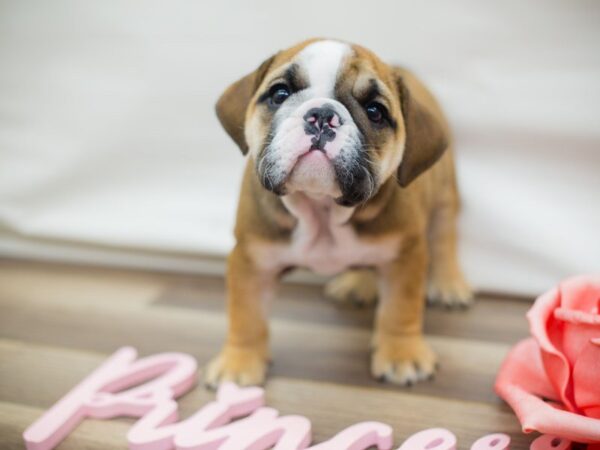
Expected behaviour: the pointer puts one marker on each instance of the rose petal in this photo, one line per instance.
(586, 380)
(575, 338)
(579, 298)
(564, 323)
(581, 293)
(577, 317)
(519, 372)
(523, 366)
(537, 415)
(548, 333)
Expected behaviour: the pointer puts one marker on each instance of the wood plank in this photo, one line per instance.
(301, 349)
(22, 279)
(490, 319)
(330, 407)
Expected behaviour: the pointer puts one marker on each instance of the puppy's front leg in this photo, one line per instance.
(401, 354)
(245, 355)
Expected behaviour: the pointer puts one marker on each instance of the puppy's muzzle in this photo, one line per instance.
(320, 123)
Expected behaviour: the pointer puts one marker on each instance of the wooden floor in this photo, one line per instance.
(59, 322)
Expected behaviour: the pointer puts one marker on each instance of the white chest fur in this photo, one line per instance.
(323, 241)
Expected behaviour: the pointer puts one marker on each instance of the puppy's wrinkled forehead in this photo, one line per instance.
(320, 63)
(327, 67)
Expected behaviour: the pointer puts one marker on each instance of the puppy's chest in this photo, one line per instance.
(325, 243)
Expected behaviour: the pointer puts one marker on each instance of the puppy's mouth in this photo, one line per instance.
(346, 179)
(313, 154)
(313, 173)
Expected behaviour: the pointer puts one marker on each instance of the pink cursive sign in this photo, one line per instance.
(237, 420)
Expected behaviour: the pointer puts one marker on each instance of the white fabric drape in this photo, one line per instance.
(110, 151)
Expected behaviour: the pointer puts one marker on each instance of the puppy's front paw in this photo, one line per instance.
(245, 366)
(355, 287)
(402, 360)
(450, 291)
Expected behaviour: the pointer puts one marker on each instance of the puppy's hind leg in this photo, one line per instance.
(446, 284)
(356, 286)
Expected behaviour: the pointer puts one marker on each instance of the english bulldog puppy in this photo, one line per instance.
(350, 173)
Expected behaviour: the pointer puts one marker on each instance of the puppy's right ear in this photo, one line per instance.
(233, 103)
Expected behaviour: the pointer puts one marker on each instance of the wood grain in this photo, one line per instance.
(60, 322)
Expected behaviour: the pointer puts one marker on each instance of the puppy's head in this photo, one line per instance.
(330, 119)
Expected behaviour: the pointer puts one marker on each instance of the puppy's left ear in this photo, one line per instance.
(426, 140)
(233, 103)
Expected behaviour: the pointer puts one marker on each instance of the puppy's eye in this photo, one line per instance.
(279, 94)
(376, 112)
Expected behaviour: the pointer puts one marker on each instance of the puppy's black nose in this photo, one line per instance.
(318, 119)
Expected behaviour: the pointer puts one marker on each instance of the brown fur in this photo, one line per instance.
(418, 211)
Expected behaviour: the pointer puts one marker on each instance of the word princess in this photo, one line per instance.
(237, 420)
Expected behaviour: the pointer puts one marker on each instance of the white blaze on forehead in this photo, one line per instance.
(321, 61)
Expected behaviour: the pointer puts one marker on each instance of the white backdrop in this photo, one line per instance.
(110, 151)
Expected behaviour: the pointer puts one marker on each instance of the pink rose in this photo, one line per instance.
(552, 380)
